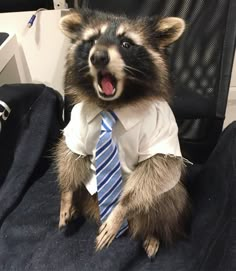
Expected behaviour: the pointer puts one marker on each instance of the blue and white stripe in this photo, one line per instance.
(108, 170)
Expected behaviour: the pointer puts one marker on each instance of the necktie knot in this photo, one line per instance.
(109, 119)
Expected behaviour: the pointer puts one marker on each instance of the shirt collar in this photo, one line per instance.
(129, 116)
(91, 111)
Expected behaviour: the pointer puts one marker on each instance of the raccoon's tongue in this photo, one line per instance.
(107, 85)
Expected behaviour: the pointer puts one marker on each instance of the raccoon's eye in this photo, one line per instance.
(92, 41)
(125, 44)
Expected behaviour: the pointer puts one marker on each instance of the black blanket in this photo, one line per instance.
(29, 202)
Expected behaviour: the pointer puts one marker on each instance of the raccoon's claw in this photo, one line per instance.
(64, 220)
(103, 226)
(105, 237)
(151, 246)
(65, 217)
(110, 228)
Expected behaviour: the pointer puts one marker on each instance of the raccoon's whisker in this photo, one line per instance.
(134, 69)
(137, 80)
(126, 69)
(83, 68)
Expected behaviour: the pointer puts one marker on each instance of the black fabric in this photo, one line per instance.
(29, 206)
(25, 136)
(3, 37)
(24, 5)
(200, 64)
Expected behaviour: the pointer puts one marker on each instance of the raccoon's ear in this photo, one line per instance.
(71, 25)
(170, 29)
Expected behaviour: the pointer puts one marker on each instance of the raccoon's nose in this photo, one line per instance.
(100, 58)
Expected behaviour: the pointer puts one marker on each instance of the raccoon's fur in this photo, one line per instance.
(131, 54)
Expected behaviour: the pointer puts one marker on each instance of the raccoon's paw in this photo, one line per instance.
(151, 246)
(108, 230)
(66, 215)
(106, 234)
(110, 227)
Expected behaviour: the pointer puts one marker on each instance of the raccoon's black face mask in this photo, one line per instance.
(114, 61)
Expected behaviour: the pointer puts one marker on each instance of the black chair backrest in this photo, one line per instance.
(200, 64)
(24, 5)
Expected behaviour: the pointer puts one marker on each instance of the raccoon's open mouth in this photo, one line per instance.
(106, 84)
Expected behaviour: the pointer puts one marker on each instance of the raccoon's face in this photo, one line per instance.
(114, 60)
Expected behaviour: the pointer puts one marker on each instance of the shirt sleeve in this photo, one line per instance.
(74, 131)
(159, 133)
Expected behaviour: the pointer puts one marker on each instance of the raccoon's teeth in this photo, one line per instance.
(100, 89)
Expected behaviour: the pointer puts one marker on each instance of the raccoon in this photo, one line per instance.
(118, 63)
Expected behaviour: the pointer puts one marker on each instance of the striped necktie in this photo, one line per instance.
(108, 170)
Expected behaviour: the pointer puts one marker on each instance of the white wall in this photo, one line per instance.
(231, 106)
(233, 82)
(42, 47)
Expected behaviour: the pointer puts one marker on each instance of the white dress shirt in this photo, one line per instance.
(140, 133)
